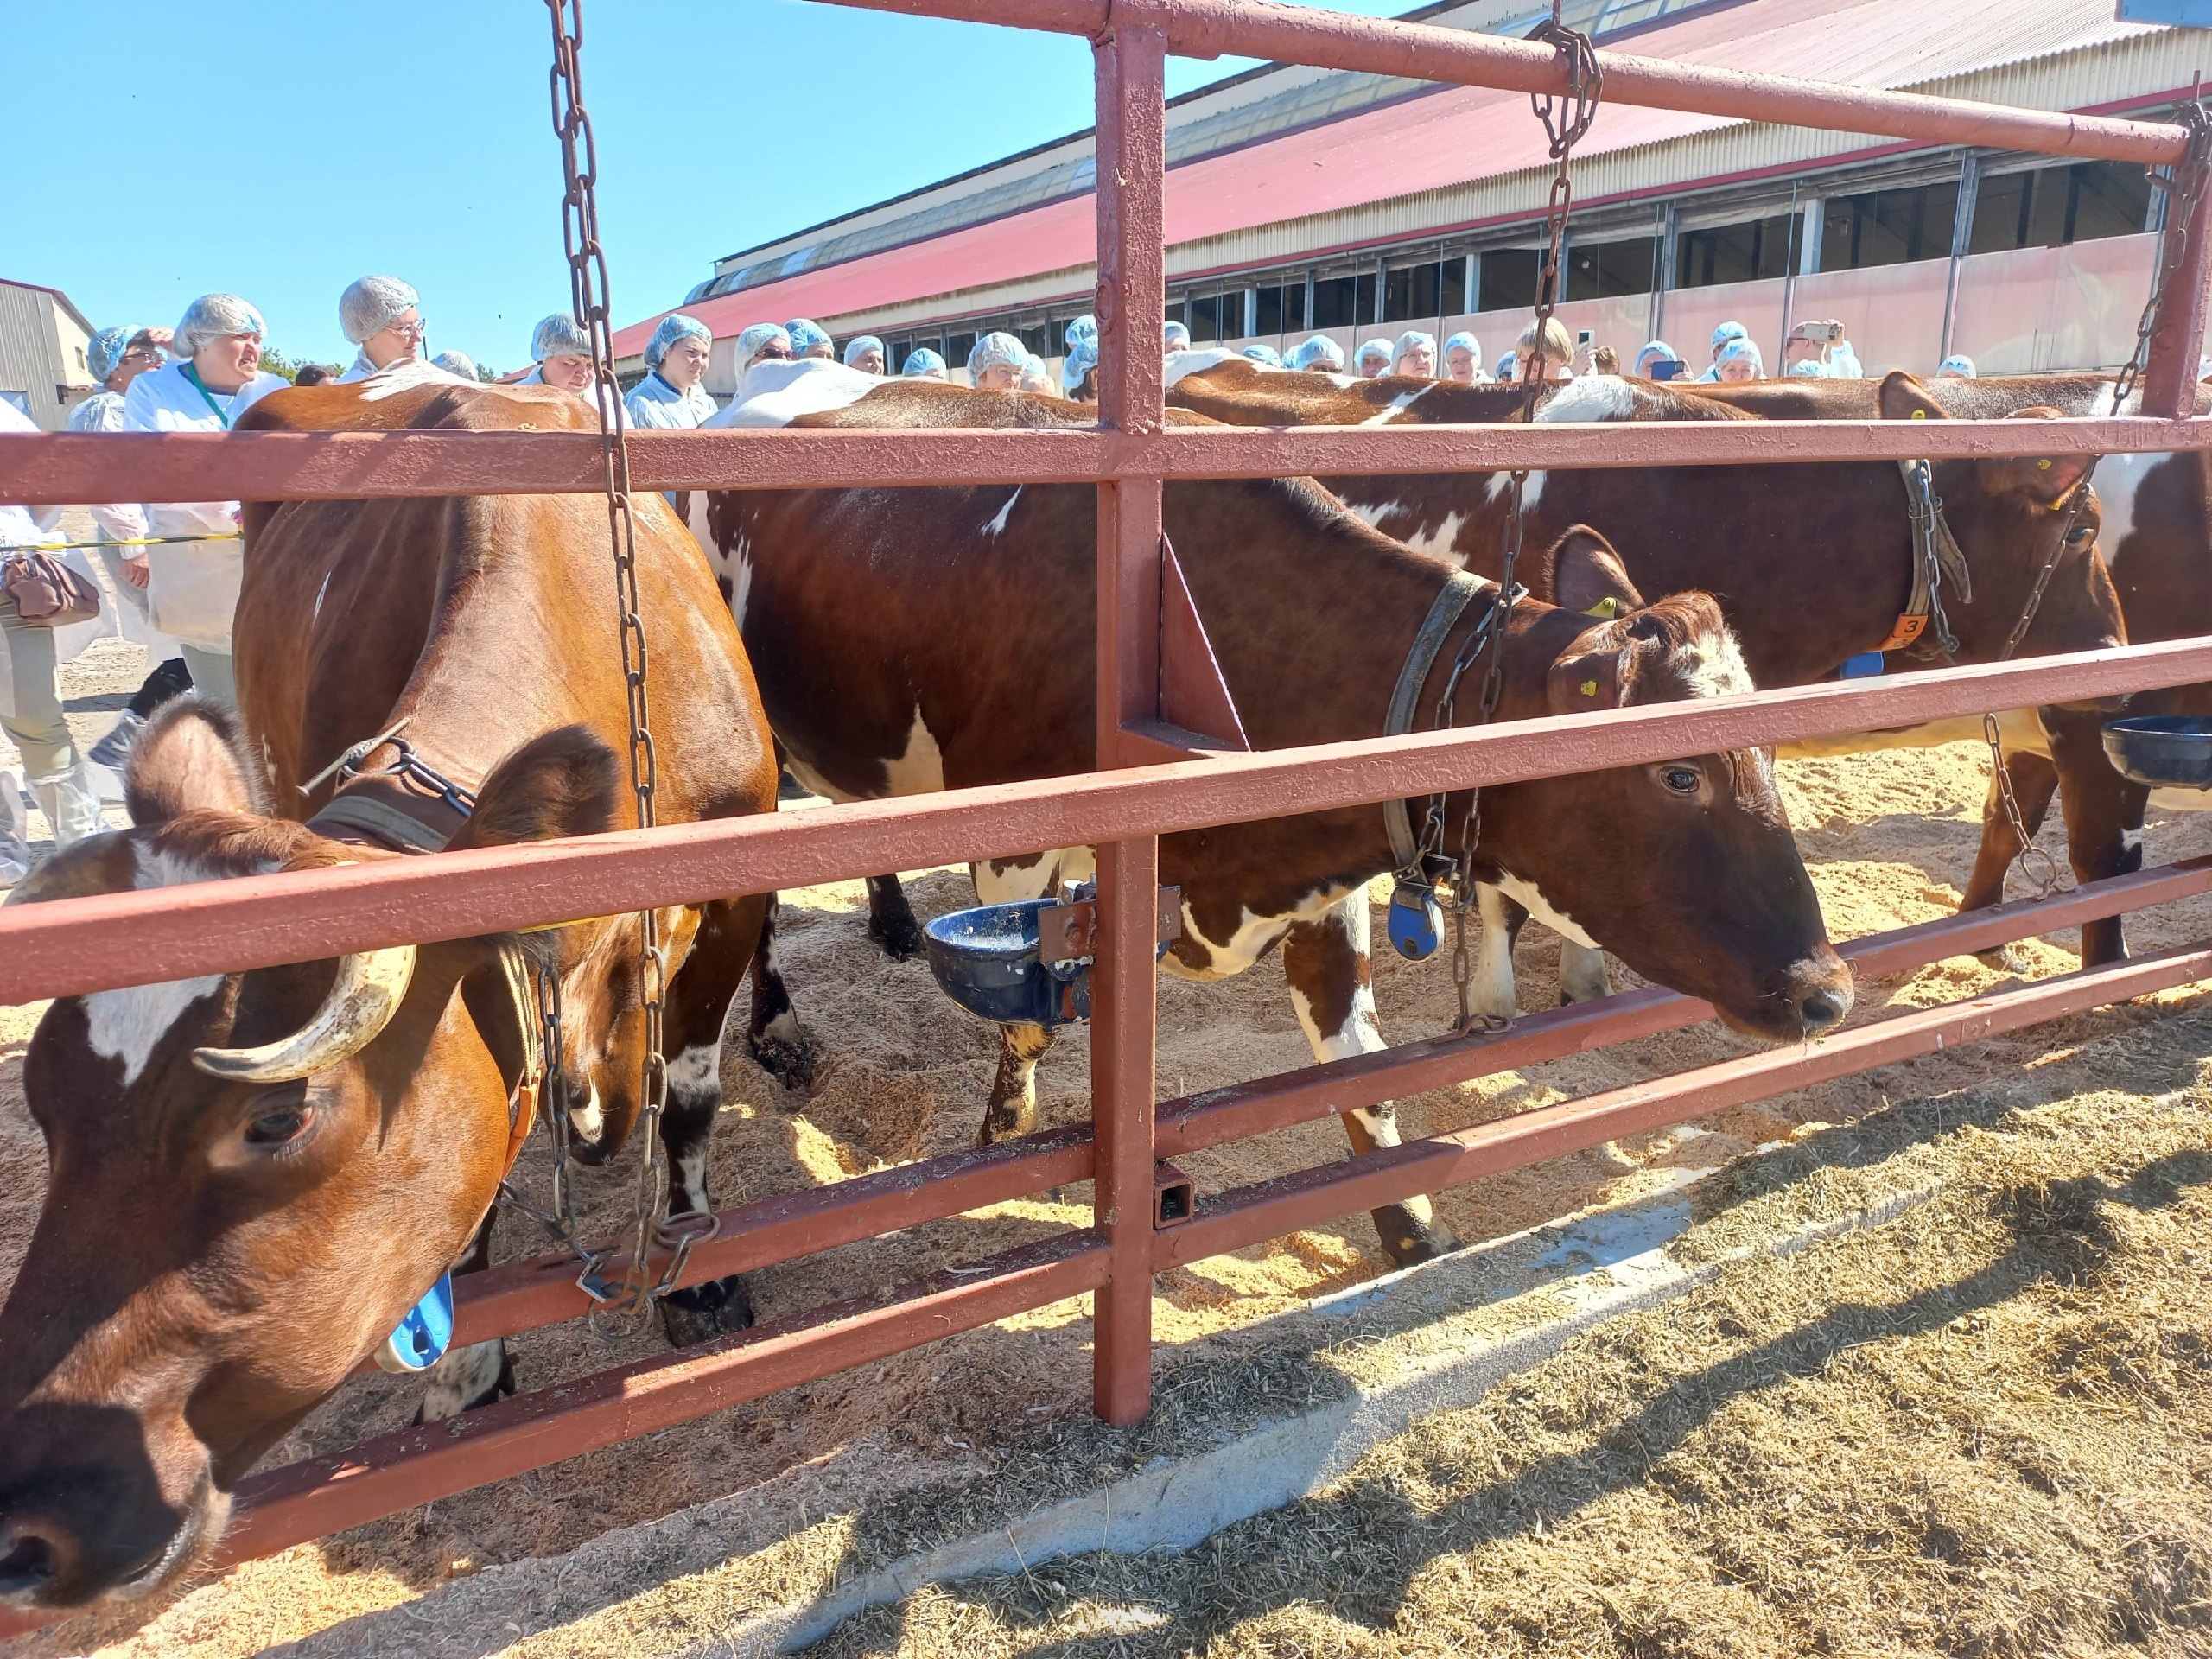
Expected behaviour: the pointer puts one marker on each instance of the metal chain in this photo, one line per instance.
(1565, 125)
(627, 1309)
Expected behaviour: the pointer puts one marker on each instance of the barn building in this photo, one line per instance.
(43, 338)
(1303, 200)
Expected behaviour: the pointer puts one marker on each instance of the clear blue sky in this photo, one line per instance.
(280, 149)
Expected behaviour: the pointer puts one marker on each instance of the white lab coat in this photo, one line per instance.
(653, 404)
(123, 521)
(195, 587)
(24, 527)
(416, 366)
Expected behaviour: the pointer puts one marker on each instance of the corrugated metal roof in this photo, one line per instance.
(1390, 162)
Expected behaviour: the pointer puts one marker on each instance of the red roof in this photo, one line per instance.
(1424, 143)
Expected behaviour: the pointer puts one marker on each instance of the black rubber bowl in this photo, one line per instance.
(2163, 751)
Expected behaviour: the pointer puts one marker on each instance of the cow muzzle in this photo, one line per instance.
(86, 1531)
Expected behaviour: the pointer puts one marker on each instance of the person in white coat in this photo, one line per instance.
(117, 357)
(672, 397)
(30, 701)
(215, 377)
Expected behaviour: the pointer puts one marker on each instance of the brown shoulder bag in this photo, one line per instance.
(46, 591)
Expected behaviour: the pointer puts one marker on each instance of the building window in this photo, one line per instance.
(956, 349)
(1411, 292)
(1507, 279)
(1282, 311)
(1888, 227)
(1735, 253)
(2050, 205)
(1338, 301)
(1206, 319)
(1606, 270)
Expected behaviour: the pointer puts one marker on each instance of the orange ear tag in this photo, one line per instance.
(1589, 688)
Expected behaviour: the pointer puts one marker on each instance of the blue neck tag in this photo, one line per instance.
(1416, 921)
(1863, 666)
(421, 1339)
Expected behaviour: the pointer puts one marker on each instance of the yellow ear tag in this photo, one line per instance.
(1606, 609)
(1589, 688)
(1919, 414)
(2043, 466)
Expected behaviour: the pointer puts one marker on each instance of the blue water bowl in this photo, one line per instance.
(2163, 751)
(985, 959)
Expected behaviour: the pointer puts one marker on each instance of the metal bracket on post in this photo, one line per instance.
(1069, 932)
(1193, 695)
(1174, 1195)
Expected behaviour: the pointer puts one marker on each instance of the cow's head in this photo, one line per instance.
(252, 1176)
(2011, 516)
(1685, 869)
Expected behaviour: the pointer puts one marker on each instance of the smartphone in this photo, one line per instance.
(1666, 368)
(1582, 339)
(1823, 332)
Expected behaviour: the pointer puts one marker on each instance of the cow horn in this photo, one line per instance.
(368, 992)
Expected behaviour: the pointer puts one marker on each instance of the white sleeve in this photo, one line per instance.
(122, 521)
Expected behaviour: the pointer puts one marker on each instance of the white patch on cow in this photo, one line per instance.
(1590, 397)
(1254, 936)
(461, 1376)
(1530, 491)
(1712, 665)
(590, 1118)
(996, 525)
(322, 589)
(920, 769)
(1443, 541)
(695, 520)
(405, 376)
(1343, 381)
(776, 394)
(2021, 732)
(128, 1024)
(2119, 477)
(1582, 976)
(1491, 991)
(816, 781)
(697, 1072)
(1402, 401)
(691, 1182)
(1197, 362)
(1531, 899)
(1374, 512)
(1010, 880)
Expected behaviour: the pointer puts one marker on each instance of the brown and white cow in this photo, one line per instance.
(911, 640)
(1812, 563)
(254, 1176)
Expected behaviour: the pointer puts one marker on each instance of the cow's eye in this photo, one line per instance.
(279, 1125)
(1683, 780)
(2081, 536)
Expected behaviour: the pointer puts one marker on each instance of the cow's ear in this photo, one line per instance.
(1591, 674)
(2047, 481)
(191, 758)
(560, 784)
(1903, 398)
(1587, 575)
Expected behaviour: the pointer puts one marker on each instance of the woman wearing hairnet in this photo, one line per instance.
(380, 314)
(1373, 358)
(810, 339)
(997, 363)
(763, 342)
(671, 396)
(1462, 359)
(866, 354)
(117, 357)
(1654, 352)
(1175, 337)
(561, 351)
(1721, 336)
(923, 363)
(1265, 356)
(30, 702)
(1739, 359)
(1319, 355)
(215, 377)
(1957, 366)
(1082, 359)
(460, 364)
(1415, 353)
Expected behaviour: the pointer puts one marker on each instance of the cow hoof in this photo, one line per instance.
(2004, 958)
(1409, 1242)
(699, 1313)
(900, 939)
(790, 1064)
(457, 1382)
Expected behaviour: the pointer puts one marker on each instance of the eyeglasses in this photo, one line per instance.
(414, 330)
(778, 354)
(143, 354)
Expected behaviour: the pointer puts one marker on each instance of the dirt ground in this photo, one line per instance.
(903, 1074)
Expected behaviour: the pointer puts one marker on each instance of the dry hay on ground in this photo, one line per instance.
(904, 1076)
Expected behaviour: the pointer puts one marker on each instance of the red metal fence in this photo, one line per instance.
(99, 943)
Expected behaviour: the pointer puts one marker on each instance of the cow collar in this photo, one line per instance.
(350, 814)
(1936, 554)
(1444, 614)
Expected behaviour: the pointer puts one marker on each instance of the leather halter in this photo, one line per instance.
(1936, 554)
(1444, 614)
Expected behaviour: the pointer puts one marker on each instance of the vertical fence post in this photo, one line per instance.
(1131, 68)
(2177, 332)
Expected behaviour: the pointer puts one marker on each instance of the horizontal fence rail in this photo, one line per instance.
(65, 469)
(74, 945)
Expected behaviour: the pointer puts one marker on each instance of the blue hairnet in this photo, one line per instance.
(806, 334)
(559, 336)
(1727, 332)
(103, 352)
(1317, 352)
(994, 350)
(674, 327)
(1805, 369)
(924, 362)
(370, 304)
(860, 345)
(1655, 351)
(1373, 348)
(1176, 337)
(1083, 331)
(211, 316)
(1742, 350)
(1509, 367)
(1406, 341)
(1082, 357)
(749, 343)
(460, 363)
(1956, 364)
(1464, 341)
(1265, 356)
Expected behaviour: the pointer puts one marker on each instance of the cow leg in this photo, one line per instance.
(1491, 991)
(891, 921)
(732, 934)
(1582, 976)
(773, 1037)
(2104, 818)
(465, 1378)
(1013, 1107)
(1331, 985)
(2034, 781)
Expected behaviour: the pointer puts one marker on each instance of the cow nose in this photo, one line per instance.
(29, 1560)
(1823, 1010)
